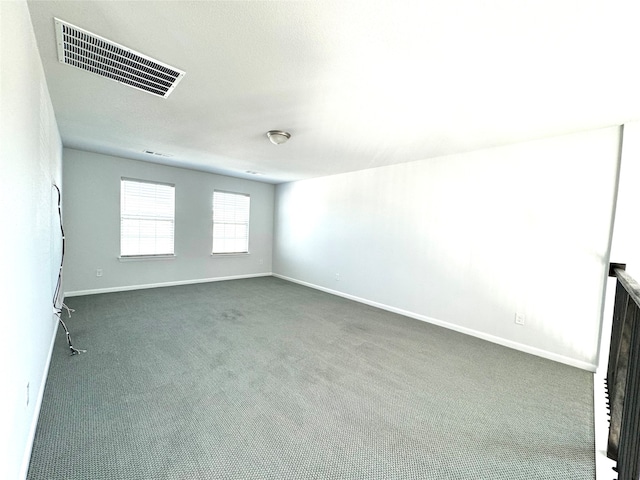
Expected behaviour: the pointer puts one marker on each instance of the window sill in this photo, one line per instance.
(223, 255)
(138, 258)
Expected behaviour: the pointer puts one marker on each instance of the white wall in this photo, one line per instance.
(626, 233)
(625, 246)
(92, 225)
(467, 240)
(30, 162)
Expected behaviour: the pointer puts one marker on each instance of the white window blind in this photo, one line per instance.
(147, 217)
(230, 222)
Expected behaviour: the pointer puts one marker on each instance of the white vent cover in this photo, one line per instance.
(158, 154)
(88, 51)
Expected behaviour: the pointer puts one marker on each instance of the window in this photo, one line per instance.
(230, 222)
(147, 212)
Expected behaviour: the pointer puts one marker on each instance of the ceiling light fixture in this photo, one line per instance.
(278, 137)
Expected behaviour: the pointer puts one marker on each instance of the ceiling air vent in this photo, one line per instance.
(158, 154)
(88, 51)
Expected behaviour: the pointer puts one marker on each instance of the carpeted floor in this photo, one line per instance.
(265, 379)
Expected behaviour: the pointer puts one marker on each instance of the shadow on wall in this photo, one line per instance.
(471, 240)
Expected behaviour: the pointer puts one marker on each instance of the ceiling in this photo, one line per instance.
(358, 84)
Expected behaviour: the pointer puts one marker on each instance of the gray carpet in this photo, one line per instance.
(264, 379)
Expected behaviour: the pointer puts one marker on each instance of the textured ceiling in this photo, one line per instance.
(358, 84)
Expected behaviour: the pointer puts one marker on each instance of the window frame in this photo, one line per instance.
(246, 223)
(159, 217)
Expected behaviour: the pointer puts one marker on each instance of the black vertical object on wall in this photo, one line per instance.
(623, 376)
(58, 304)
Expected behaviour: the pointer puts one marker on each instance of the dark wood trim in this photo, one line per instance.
(630, 285)
(623, 376)
(614, 266)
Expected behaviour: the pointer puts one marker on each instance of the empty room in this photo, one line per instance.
(320, 240)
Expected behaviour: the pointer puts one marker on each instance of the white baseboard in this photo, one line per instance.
(24, 469)
(164, 284)
(451, 326)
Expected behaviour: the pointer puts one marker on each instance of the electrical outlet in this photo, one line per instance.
(337, 277)
(27, 394)
(98, 272)
(519, 318)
